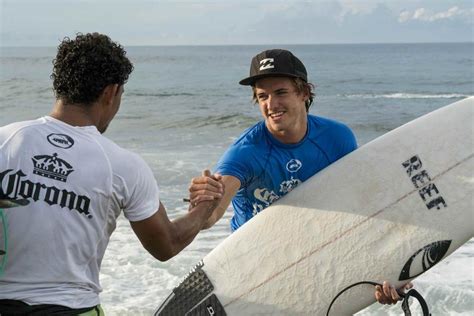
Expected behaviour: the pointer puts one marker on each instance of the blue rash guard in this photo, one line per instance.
(268, 169)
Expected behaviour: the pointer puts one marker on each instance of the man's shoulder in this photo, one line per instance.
(20, 124)
(323, 125)
(117, 154)
(9, 130)
(252, 136)
(250, 144)
(336, 138)
(325, 121)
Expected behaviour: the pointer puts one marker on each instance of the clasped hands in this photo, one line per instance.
(207, 190)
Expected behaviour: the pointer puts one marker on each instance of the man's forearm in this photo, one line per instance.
(188, 226)
(216, 216)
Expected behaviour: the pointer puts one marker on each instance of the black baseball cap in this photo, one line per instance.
(274, 63)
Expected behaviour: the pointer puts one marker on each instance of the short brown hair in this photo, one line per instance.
(301, 87)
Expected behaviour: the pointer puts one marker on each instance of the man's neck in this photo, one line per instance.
(290, 136)
(73, 114)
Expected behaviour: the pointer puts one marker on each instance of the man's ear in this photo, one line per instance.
(109, 93)
(305, 95)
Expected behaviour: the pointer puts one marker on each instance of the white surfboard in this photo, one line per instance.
(388, 211)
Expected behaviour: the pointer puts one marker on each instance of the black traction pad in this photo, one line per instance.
(192, 290)
(209, 307)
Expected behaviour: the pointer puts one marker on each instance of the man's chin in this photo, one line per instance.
(275, 128)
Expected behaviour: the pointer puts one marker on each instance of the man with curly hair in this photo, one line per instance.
(70, 184)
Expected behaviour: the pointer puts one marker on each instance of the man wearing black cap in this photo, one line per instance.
(284, 149)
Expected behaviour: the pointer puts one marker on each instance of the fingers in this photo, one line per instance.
(205, 177)
(202, 198)
(408, 286)
(207, 182)
(206, 193)
(386, 294)
(393, 294)
(378, 294)
(207, 187)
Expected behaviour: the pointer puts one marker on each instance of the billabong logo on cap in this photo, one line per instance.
(266, 63)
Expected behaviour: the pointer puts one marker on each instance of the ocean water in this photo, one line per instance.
(183, 106)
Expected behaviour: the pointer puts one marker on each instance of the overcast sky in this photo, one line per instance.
(213, 22)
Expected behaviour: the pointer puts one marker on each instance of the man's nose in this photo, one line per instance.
(271, 101)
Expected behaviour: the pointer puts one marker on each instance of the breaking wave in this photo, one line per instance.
(400, 95)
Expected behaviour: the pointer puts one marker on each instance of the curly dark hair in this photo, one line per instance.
(84, 66)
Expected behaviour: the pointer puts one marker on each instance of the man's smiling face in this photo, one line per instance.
(282, 107)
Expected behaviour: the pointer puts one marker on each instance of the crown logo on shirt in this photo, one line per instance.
(51, 167)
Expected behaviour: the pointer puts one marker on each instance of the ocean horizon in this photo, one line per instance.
(253, 45)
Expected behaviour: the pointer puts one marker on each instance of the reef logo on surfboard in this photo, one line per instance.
(422, 181)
